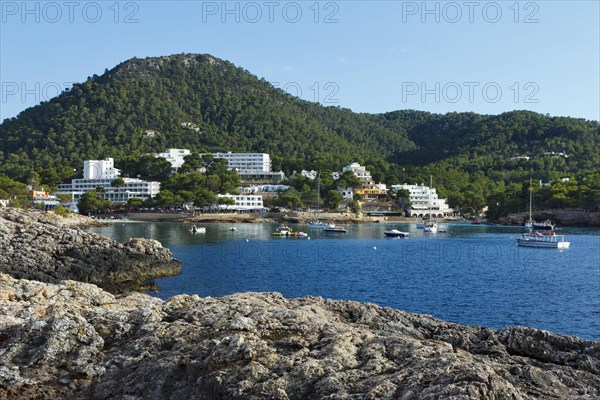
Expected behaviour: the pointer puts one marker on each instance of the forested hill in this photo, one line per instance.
(203, 103)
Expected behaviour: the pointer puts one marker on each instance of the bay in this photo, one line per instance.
(471, 274)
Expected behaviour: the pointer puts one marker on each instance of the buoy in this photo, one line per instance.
(375, 247)
(247, 240)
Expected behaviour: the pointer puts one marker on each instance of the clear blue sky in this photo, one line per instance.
(370, 56)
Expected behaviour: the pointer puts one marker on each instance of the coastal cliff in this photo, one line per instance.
(48, 248)
(74, 340)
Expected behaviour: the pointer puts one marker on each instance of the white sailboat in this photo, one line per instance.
(531, 223)
(430, 226)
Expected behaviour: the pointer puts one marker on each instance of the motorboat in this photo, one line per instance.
(197, 229)
(286, 231)
(395, 233)
(430, 227)
(320, 225)
(335, 229)
(548, 240)
(233, 229)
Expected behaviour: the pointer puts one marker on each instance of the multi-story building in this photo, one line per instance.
(252, 166)
(243, 202)
(264, 189)
(369, 190)
(425, 201)
(101, 174)
(175, 157)
(42, 198)
(247, 162)
(100, 169)
(4, 202)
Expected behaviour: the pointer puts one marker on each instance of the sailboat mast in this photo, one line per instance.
(318, 192)
(429, 199)
(530, 196)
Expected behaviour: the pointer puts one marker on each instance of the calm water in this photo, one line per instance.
(470, 274)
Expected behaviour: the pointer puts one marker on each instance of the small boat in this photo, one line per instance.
(395, 233)
(533, 224)
(320, 225)
(430, 227)
(195, 229)
(335, 229)
(548, 240)
(286, 231)
(546, 225)
(233, 229)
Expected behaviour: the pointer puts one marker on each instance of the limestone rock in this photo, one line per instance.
(40, 246)
(74, 340)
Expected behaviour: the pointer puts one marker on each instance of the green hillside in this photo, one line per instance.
(203, 103)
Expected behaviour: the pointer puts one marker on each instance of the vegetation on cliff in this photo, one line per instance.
(206, 104)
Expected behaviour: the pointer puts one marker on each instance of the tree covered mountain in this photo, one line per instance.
(207, 104)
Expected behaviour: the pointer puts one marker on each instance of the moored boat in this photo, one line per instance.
(286, 231)
(335, 229)
(543, 240)
(546, 225)
(197, 229)
(430, 227)
(395, 233)
(533, 224)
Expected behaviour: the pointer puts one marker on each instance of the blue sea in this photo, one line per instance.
(471, 274)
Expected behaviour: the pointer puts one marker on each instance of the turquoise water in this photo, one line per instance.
(470, 275)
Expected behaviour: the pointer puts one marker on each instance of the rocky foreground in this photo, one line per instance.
(76, 341)
(63, 339)
(48, 248)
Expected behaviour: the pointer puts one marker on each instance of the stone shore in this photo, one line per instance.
(65, 339)
(48, 248)
(76, 341)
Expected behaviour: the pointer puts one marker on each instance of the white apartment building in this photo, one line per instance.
(264, 189)
(175, 157)
(247, 162)
(100, 169)
(425, 201)
(101, 173)
(243, 202)
(252, 167)
(359, 170)
(369, 190)
(4, 202)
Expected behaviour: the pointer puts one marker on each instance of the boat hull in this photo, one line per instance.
(396, 234)
(540, 244)
(332, 230)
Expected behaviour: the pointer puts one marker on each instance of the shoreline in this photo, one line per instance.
(562, 218)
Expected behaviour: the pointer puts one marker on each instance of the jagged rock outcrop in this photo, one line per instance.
(74, 340)
(36, 245)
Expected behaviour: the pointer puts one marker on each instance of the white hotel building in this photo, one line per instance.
(175, 157)
(425, 201)
(252, 166)
(243, 202)
(101, 173)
